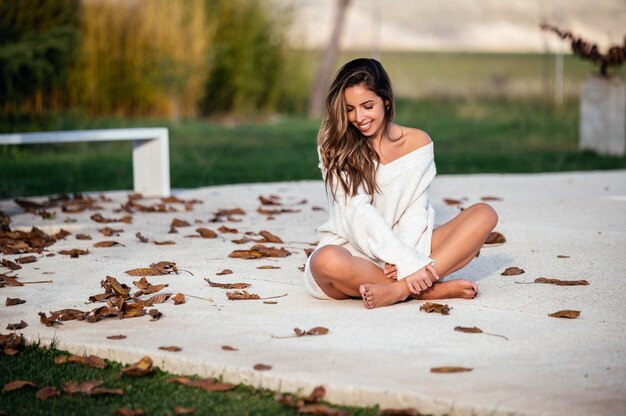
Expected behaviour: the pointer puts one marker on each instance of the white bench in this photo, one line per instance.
(151, 153)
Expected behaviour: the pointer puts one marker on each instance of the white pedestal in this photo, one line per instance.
(603, 116)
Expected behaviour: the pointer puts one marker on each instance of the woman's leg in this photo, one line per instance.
(340, 274)
(454, 244)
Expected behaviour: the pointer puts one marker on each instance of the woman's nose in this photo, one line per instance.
(360, 116)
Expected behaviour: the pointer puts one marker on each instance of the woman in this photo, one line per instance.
(379, 242)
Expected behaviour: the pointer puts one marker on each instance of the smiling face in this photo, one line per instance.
(365, 109)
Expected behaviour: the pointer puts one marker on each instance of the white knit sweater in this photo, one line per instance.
(396, 226)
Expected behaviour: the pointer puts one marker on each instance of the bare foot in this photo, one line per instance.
(375, 296)
(452, 289)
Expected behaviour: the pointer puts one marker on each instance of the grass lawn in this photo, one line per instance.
(151, 393)
(470, 135)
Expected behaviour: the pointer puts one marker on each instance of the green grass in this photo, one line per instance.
(471, 135)
(152, 393)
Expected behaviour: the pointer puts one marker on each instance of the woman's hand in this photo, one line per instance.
(391, 271)
(421, 279)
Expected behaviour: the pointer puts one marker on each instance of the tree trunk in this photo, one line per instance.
(324, 72)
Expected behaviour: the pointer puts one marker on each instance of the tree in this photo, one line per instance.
(37, 43)
(322, 79)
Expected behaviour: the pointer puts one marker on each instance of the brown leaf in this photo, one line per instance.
(241, 295)
(74, 253)
(430, 307)
(16, 385)
(107, 243)
(84, 387)
(450, 369)
(83, 237)
(495, 237)
(97, 217)
(316, 395)
(204, 384)
(309, 251)
(14, 301)
(262, 367)
(104, 312)
(110, 232)
(561, 282)
(468, 330)
(223, 272)
(141, 368)
(165, 243)
(568, 314)
(321, 409)
(10, 280)
(276, 211)
(452, 201)
(91, 361)
(228, 212)
(270, 302)
(561, 256)
(179, 410)
(229, 348)
(490, 198)
(48, 321)
(179, 223)
(156, 299)
(133, 310)
(118, 287)
(171, 348)
(15, 327)
(47, 392)
(269, 237)
(318, 330)
(27, 259)
(11, 265)
(408, 411)
(144, 271)
(271, 200)
(259, 250)
(267, 267)
(179, 299)
(228, 285)
(155, 314)
(141, 283)
(141, 237)
(68, 315)
(116, 337)
(206, 233)
(11, 343)
(223, 229)
(125, 411)
(512, 271)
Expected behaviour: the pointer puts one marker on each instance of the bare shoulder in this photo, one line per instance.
(415, 138)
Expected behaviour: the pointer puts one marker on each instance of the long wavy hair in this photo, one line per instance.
(346, 154)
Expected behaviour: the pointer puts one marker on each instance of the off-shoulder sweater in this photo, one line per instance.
(396, 225)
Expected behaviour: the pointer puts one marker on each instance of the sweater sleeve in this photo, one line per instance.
(367, 231)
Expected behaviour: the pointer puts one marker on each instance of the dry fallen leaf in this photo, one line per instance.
(107, 243)
(171, 348)
(110, 232)
(430, 307)
(156, 299)
(259, 250)
(27, 259)
(97, 217)
(450, 369)
(206, 233)
(242, 295)
(229, 348)
(141, 368)
(83, 237)
(16, 385)
(179, 410)
(155, 314)
(476, 330)
(512, 271)
(490, 198)
(11, 343)
(91, 361)
(561, 282)
(262, 367)
(116, 337)
(267, 267)
(224, 272)
(452, 201)
(269, 237)
(270, 302)
(15, 327)
(11, 265)
(125, 411)
(227, 285)
(495, 237)
(14, 301)
(141, 237)
(165, 243)
(179, 299)
(47, 392)
(90, 388)
(568, 314)
(74, 253)
(561, 256)
(408, 411)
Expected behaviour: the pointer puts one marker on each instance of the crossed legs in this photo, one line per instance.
(454, 244)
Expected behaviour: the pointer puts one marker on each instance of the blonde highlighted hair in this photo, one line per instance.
(347, 156)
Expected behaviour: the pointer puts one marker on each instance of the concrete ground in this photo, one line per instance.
(548, 366)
